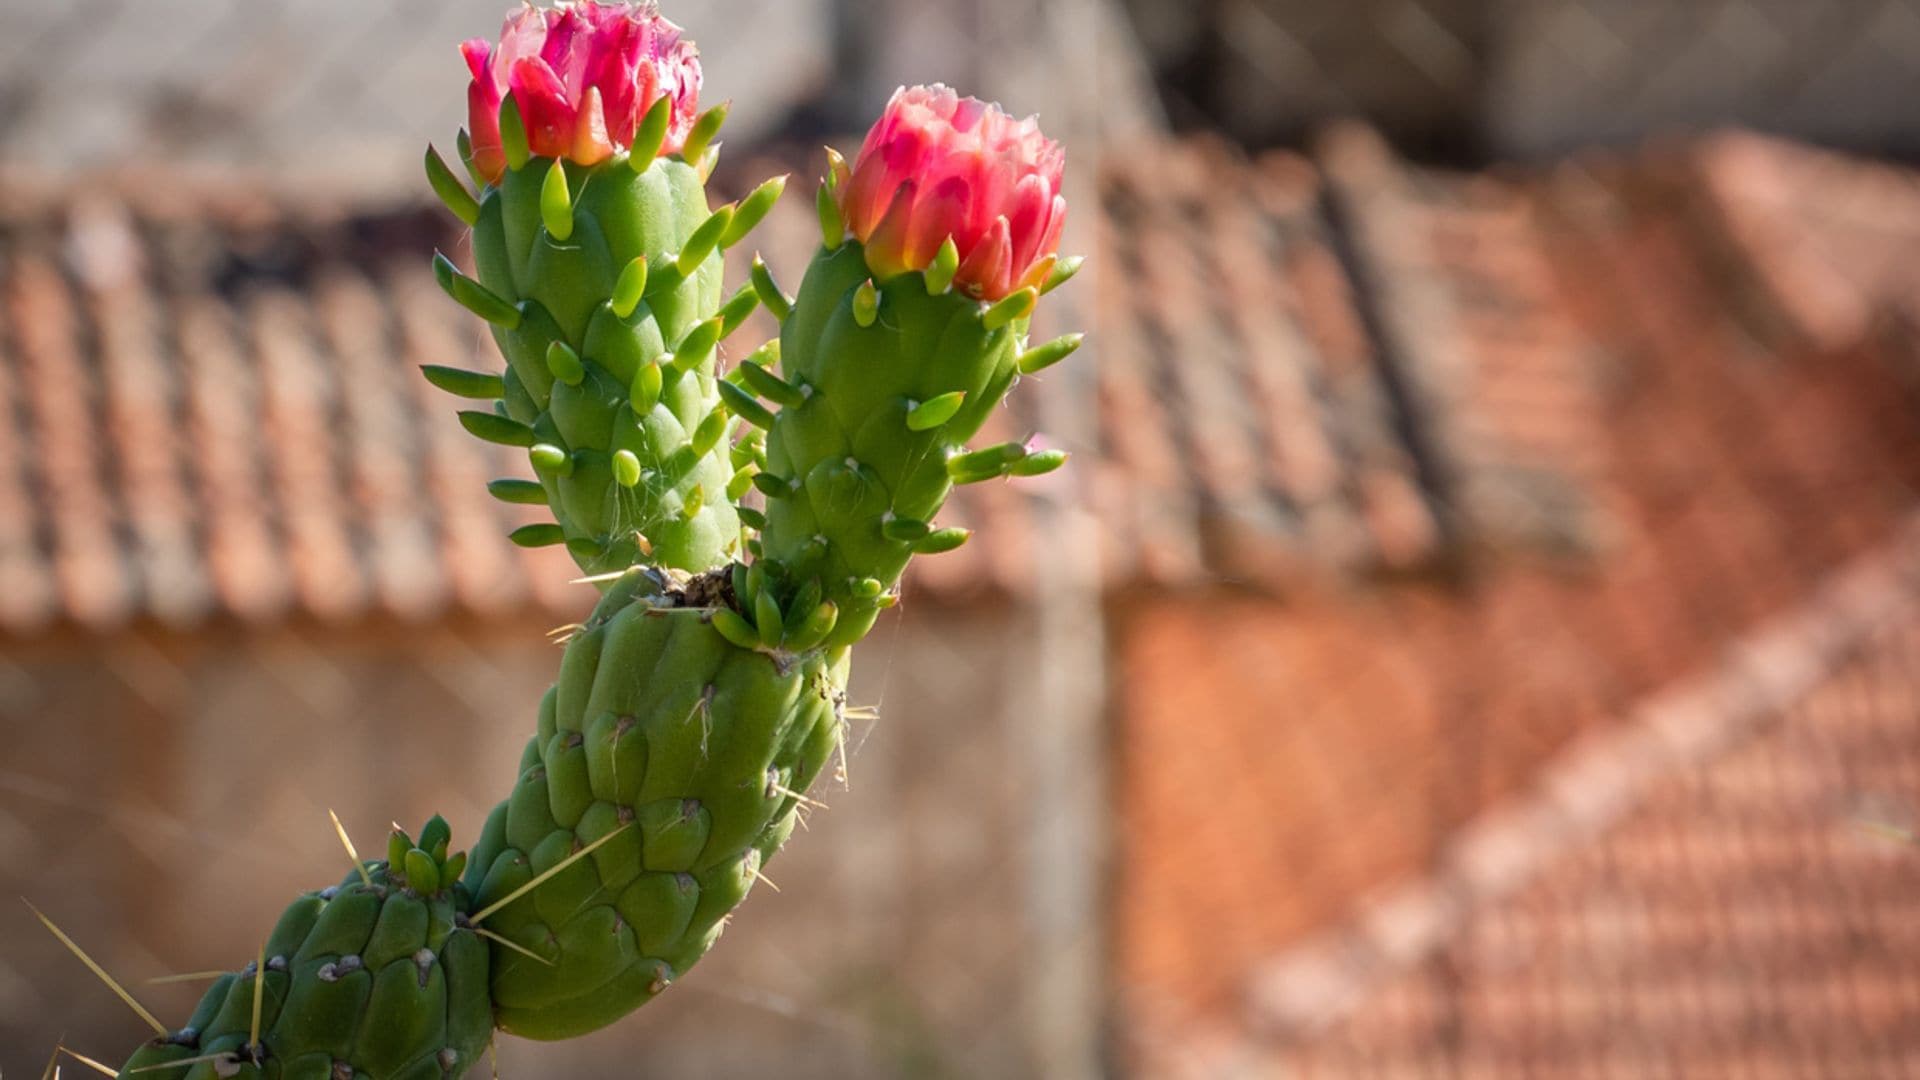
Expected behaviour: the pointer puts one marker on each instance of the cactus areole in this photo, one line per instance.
(745, 521)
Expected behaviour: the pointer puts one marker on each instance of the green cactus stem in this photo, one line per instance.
(880, 385)
(685, 756)
(602, 286)
(379, 976)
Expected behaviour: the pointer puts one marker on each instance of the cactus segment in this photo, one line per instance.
(630, 288)
(380, 977)
(607, 268)
(564, 364)
(682, 720)
(463, 145)
(550, 460)
(892, 397)
(978, 465)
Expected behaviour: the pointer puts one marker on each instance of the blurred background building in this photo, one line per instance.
(1479, 635)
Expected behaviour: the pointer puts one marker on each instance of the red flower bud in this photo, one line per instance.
(937, 165)
(582, 77)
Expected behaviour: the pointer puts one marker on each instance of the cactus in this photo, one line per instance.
(599, 272)
(909, 329)
(745, 531)
(690, 716)
(379, 976)
(684, 758)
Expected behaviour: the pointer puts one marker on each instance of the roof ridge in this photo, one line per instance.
(1586, 789)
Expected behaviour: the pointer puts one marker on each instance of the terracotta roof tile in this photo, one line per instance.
(1712, 481)
(220, 389)
(1736, 916)
(240, 546)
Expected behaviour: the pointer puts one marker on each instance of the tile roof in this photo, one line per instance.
(209, 414)
(207, 408)
(1738, 909)
(1733, 460)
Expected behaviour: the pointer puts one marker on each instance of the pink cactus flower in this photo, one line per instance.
(583, 76)
(937, 165)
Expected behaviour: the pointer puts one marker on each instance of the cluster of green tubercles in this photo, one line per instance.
(379, 976)
(602, 286)
(667, 768)
(880, 385)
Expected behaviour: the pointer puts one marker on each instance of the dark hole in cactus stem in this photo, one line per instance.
(711, 589)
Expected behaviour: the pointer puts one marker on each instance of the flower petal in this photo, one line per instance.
(1032, 201)
(591, 145)
(886, 247)
(941, 214)
(582, 74)
(544, 107)
(986, 272)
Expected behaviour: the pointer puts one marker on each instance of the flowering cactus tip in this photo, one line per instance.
(937, 166)
(580, 77)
